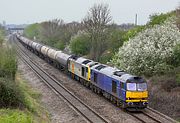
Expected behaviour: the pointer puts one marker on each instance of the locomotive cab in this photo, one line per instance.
(136, 93)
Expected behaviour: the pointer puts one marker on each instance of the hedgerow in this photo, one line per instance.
(8, 65)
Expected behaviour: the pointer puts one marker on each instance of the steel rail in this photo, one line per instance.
(87, 112)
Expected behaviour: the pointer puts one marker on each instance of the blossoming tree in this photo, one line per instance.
(150, 52)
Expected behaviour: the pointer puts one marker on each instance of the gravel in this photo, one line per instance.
(58, 110)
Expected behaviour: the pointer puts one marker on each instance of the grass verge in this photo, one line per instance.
(32, 113)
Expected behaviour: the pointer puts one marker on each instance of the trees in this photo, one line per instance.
(151, 51)
(80, 44)
(51, 31)
(70, 30)
(54, 33)
(156, 18)
(32, 31)
(115, 38)
(96, 25)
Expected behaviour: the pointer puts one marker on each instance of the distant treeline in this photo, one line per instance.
(96, 37)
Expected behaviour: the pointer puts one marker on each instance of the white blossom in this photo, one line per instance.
(150, 50)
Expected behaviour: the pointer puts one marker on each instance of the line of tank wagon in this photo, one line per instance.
(126, 90)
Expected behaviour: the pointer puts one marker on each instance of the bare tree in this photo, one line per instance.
(57, 33)
(51, 30)
(70, 29)
(96, 24)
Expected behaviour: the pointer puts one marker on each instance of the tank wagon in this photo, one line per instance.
(125, 90)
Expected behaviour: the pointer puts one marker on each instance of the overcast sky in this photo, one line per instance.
(122, 11)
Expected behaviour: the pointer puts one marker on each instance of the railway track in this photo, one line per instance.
(163, 118)
(148, 116)
(152, 116)
(145, 118)
(81, 108)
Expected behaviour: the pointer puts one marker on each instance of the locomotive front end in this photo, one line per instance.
(136, 93)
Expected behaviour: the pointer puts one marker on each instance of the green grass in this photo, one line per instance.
(33, 112)
(31, 96)
(19, 103)
(15, 116)
(32, 100)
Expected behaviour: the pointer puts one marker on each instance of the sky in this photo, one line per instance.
(122, 11)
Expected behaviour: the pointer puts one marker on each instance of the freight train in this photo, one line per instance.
(125, 90)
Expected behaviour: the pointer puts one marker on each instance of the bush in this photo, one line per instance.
(80, 44)
(157, 19)
(59, 45)
(116, 39)
(133, 32)
(2, 33)
(164, 92)
(11, 95)
(1, 41)
(106, 57)
(175, 60)
(151, 51)
(8, 64)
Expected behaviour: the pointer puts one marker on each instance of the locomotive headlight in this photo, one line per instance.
(130, 103)
(145, 103)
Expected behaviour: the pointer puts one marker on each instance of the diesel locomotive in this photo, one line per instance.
(125, 90)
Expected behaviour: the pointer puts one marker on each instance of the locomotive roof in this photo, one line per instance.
(118, 74)
(132, 78)
(98, 67)
(80, 60)
(93, 63)
(94, 66)
(108, 71)
(83, 61)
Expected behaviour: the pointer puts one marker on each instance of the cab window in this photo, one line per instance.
(131, 86)
(141, 86)
(137, 86)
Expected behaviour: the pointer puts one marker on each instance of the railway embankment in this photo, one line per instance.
(19, 103)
